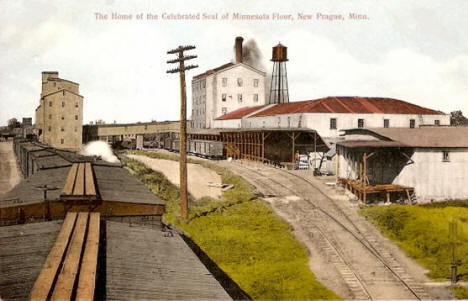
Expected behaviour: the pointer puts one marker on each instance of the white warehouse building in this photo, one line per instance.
(225, 89)
(330, 115)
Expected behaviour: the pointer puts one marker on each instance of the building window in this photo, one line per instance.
(239, 82)
(63, 118)
(76, 129)
(203, 84)
(62, 129)
(76, 105)
(223, 97)
(239, 97)
(50, 116)
(360, 123)
(224, 81)
(255, 82)
(63, 104)
(50, 128)
(332, 123)
(146, 126)
(50, 103)
(289, 121)
(412, 123)
(445, 156)
(76, 117)
(224, 110)
(437, 122)
(386, 123)
(62, 141)
(255, 96)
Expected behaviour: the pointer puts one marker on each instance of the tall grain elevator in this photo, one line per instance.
(279, 78)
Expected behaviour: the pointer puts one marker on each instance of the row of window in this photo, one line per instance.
(239, 97)
(386, 123)
(239, 82)
(63, 104)
(62, 129)
(63, 117)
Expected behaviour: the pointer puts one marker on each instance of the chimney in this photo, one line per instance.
(239, 41)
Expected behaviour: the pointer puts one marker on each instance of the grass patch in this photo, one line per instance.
(241, 234)
(422, 232)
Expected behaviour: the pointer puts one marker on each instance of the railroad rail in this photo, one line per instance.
(357, 286)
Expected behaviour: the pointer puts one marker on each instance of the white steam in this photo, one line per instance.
(101, 149)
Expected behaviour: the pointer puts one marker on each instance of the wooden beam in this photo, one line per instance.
(410, 201)
(87, 279)
(70, 181)
(79, 181)
(44, 282)
(90, 189)
(64, 287)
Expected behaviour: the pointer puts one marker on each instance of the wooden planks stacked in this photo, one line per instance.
(73, 259)
(80, 182)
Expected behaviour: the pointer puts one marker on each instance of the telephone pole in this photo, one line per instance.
(183, 121)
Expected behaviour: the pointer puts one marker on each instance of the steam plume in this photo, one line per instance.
(99, 148)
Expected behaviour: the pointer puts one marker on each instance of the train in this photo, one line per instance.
(202, 148)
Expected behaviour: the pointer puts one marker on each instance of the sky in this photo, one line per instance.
(415, 51)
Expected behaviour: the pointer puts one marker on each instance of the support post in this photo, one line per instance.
(183, 122)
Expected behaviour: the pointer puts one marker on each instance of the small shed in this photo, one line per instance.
(426, 164)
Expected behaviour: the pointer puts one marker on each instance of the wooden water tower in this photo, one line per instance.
(279, 78)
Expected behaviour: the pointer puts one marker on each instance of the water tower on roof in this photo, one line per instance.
(279, 77)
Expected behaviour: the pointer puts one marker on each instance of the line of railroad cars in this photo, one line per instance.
(202, 148)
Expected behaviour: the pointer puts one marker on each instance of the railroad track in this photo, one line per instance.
(329, 244)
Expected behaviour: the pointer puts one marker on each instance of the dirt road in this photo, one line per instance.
(9, 173)
(347, 254)
(199, 177)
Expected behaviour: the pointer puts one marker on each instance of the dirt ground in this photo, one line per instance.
(199, 177)
(9, 173)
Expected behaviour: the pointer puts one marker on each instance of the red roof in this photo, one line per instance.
(346, 104)
(211, 71)
(239, 113)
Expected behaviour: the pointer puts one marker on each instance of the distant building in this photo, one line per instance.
(126, 131)
(59, 116)
(224, 89)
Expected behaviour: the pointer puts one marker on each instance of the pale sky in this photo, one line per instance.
(413, 52)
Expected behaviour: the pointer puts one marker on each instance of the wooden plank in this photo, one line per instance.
(64, 287)
(87, 279)
(43, 284)
(79, 182)
(90, 189)
(70, 182)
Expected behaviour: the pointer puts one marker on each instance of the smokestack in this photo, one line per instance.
(239, 41)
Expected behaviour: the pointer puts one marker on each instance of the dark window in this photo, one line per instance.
(50, 103)
(63, 104)
(62, 141)
(76, 105)
(333, 123)
(360, 123)
(255, 82)
(223, 97)
(63, 118)
(437, 122)
(224, 111)
(62, 129)
(445, 156)
(239, 97)
(412, 123)
(76, 117)
(386, 123)
(50, 116)
(255, 97)
(50, 128)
